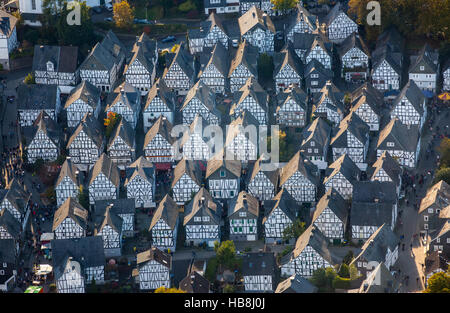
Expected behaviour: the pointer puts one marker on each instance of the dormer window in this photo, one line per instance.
(422, 68)
(222, 173)
(390, 144)
(50, 67)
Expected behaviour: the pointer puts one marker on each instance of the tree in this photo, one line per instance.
(439, 283)
(444, 150)
(284, 5)
(323, 279)
(225, 253)
(163, 289)
(83, 198)
(348, 257)
(344, 271)
(265, 67)
(443, 174)
(294, 231)
(29, 79)
(123, 14)
(353, 272)
(111, 120)
(228, 288)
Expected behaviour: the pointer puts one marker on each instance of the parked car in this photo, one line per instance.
(140, 21)
(108, 19)
(169, 39)
(109, 6)
(97, 10)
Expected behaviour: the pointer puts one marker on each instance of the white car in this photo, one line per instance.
(109, 6)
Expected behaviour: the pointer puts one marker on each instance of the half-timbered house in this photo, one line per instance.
(310, 253)
(140, 182)
(329, 103)
(331, 216)
(446, 76)
(252, 98)
(158, 142)
(121, 147)
(153, 269)
(320, 51)
(367, 103)
(179, 73)
(70, 220)
(287, 70)
(424, 68)
(342, 175)
(435, 203)
(10, 228)
(195, 142)
(351, 138)
(301, 43)
(202, 219)
(83, 99)
(86, 143)
(8, 36)
(187, 180)
(16, 200)
(141, 69)
(300, 177)
(159, 102)
(223, 177)
(386, 168)
(410, 106)
(258, 270)
(8, 268)
(316, 76)
(164, 225)
(401, 141)
(257, 28)
(109, 227)
(32, 99)
(338, 26)
(241, 141)
(126, 103)
(200, 100)
(77, 263)
(301, 22)
(379, 280)
(315, 141)
(221, 6)
(214, 72)
(56, 65)
(243, 65)
(212, 31)
(354, 56)
(262, 183)
(280, 214)
(103, 180)
(292, 109)
(386, 69)
(67, 183)
(124, 208)
(440, 242)
(243, 217)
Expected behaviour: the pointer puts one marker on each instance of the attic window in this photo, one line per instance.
(390, 144)
(422, 68)
(222, 173)
(50, 67)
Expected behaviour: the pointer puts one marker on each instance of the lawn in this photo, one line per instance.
(153, 13)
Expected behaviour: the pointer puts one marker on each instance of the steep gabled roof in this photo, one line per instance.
(355, 125)
(353, 41)
(333, 201)
(246, 55)
(371, 213)
(215, 163)
(254, 17)
(64, 59)
(379, 280)
(7, 23)
(244, 201)
(287, 57)
(301, 14)
(131, 99)
(302, 165)
(143, 51)
(375, 191)
(303, 41)
(111, 219)
(440, 190)
(315, 65)
(283, 201)
(318, 130)
(194, 283)
(414, 96)
(188, 167)
(296, 284)
(154, 254)
(204, 94)
(244, 119)
(86, 92)
(141, 167)
(427, 58)
(345, 166)
(73, 210)
(45, 124)
(273, 176)
(163, 127)
(123, 130)
(405, 137)
(220, 59)
(389, 165)
(67, 169)
(296, 94)
(17, 196)
(36, 97)
(106, 166)
(250, 88)
(167, 211)
(10, 224)
(184, 61)
(203, 202)
(159, 89)
(91, 127)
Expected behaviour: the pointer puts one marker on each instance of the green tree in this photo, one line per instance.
(443, 174)
(294, 230)
(444, 150)
(323, 279)
(83, 197)
(228, 288)
(348, 257)
(439, 283)
(265, 67)
(353, 272)
(284, 5)
(344, 271)
(225, 253)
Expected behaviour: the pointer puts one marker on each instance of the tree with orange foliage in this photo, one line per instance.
(123, 14)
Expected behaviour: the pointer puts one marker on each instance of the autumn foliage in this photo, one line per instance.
(123, 14)
(110, 122)
(163, 289)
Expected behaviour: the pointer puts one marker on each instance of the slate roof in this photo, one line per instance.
(250, 88)
(203, 202)
(45, 124)
(380, 280)
(184, 61)
(107, 167)
(301, 13)
(67, 169)
(442, 231)
(118, 206)
(389, 165)
(331, 92)
(315, 65)
(319, 131)
(244, 201)
(392, 58)
(163, 127)
(10, 224)
(353, 41)
(128, 98)
(16, 195)
(355, 125)
(287, 57)
(7, 23)
(427, 58)
(392, 39)
(188, 167)
(302, 165)
(86, 92)
(345, 166)
(143, 51)
(159, 89)
(273, 176)
(214, 164)
(258, 263)
(204, 94)
(219, 58)
(296, 284)
(413, 94)
(91, 127)
(405, 137)
(295, 93)
(371, 214)
(438, 192)
(73, 210)
(375, 191)
(366, 93)
(194, 283)
(123, 130)
(8, 251)
(64, 59)
(36, 97)
(254, 17)
(248, 56)
(141, 167)
(303, 41)
(167, 211)
(283, 201)
(154, 254)
(111, 219)
(333, 201)
(244, 119)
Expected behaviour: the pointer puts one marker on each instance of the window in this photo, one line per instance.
(2, 272)
(425, 218)
(313, 143)
(430, 210)
(438, 240)
(222, 173)
(422, 68)
(314, 83)
(390, 144)
(232, 193)
(205, 218)
(197, 219)
(33, 5)
(314, 75)
(242, 214)
(425, 226)
(448, 240)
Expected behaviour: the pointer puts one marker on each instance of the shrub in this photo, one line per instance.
(29, 79)
(443, 174)
(341, 283)
(211, 269)
(228, 288)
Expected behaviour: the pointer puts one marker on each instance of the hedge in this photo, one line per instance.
(341, 283)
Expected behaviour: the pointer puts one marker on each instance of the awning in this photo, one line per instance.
(163, 166)
(444, 96)
(44, 269)
(34, 289)
(46, 246)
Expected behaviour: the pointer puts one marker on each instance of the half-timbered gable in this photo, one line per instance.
(141, 70)
(386, 69)
(262, 183)
(67, 182)
(409, 106)
(292, 109)
(351, 138)
(124, 208)
(258, 271)
(32, 99)
(386, 168)
(243, 66)
(56, 65)
(16, 200)
(287, 70)
(77, 263)
(223, 177)
(221, 6)
(179, 74)
(316, 76)
(126, 103)
(195, 142)
(122, 145)
(315, 142)
(331, 216)
(401, 141)
(187, 179)
(280, 214)
(257, 28)
(243, 217)
(200, 100)
(153, 269)
(84, 98)
(300, 177)
(42, 139)
(342, 175)
(441, 240)
(9, 261)
(86, 142)
(104, 63)
(215, 70)
(446, 76)
(241, 141)
(246, 5)
(301, 43)
(194, 282)
(159, 102)
(354, 56)
(424, 68)
(433, 209)
(109, 227)
(140, 182)
(382, 246)
(320, 51)
(252, 98)
(211, 31)
(103, 180)
(70, 220)
(367, 102)
(310, 253)
(164, 224)
(302, 22)
(8, 35)
(338, 25)
(379, 280)
(158, 142)
(329, 103)
(202, 219)
(10, 228)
